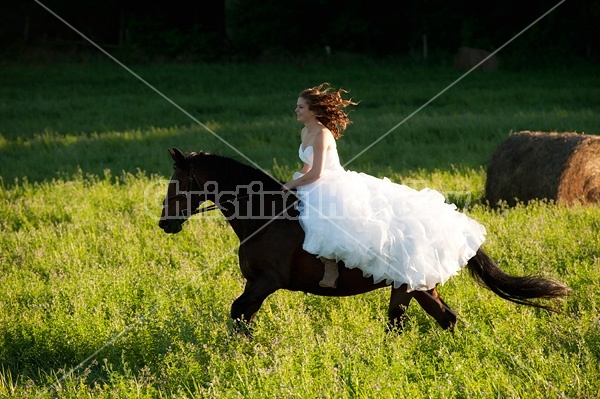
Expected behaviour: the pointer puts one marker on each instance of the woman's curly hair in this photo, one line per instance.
(328, 106)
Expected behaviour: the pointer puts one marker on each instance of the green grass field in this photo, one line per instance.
(96, 301)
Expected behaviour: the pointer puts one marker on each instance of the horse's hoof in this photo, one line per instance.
(241, 329)
(397, 325)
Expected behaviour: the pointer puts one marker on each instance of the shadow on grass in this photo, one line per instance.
(49, 156)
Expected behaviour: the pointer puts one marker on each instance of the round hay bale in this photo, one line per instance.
(563, 167)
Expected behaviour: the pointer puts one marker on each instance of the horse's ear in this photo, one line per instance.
(177, 155)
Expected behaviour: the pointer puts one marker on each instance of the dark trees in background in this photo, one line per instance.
(226, 29)
(144, 29)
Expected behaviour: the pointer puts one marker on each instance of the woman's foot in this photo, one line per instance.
(331, 273)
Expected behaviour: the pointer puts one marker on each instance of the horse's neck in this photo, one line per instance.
(244, 178)
(232, 180)
(243, 225)
(237, 179)
(251, 209)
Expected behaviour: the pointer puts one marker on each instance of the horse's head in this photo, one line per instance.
(239, 191)
(184, 194)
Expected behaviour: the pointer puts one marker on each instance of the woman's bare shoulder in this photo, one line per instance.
(327, 136)
(322, 138)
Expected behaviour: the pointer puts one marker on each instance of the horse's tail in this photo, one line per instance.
(515, 289)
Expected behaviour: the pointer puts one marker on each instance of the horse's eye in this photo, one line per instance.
(175, 166)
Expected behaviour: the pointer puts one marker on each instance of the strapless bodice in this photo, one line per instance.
(332, 159)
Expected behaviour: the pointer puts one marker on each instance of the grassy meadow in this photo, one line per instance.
(97, 302)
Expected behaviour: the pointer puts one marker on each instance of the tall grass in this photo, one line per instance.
(97, 301)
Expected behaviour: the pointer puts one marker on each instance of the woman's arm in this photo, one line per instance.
(305, 169)
(319, 152)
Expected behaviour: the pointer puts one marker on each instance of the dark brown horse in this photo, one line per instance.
(271, 255)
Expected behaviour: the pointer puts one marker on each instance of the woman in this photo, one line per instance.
(389, 231)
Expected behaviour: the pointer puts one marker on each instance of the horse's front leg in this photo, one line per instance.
(246, 305)
(399, 301)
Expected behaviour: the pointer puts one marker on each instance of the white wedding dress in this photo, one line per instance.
(391, 232)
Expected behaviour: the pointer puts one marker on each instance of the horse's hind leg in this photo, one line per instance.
(433, 304)
(399, 302)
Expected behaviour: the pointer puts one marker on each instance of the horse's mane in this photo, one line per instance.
(230, 171)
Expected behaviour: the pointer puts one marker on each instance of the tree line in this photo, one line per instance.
(232, 29)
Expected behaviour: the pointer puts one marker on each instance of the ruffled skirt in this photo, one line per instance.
(391, 232)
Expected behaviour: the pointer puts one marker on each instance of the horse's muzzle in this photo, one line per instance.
(170, 226)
